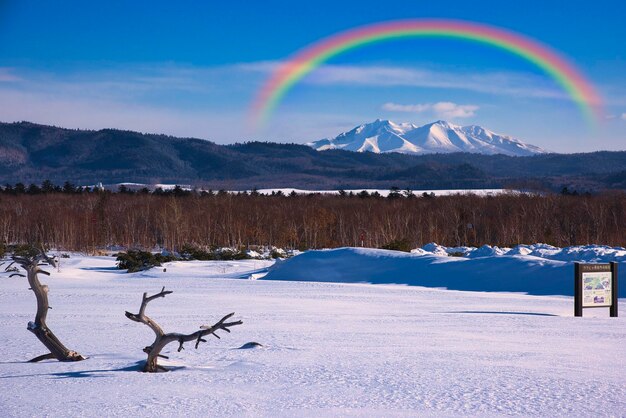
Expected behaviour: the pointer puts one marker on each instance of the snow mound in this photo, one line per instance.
(534, 269)
(520, 250)
(435, 249)
(580, 253)
(487, 251)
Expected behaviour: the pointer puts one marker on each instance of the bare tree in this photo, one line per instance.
(86, 222)
(32, 264)
(162, 339)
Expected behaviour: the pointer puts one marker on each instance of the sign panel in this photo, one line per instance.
(596, 289)
(595, 286)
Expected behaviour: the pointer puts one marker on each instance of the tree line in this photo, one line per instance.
(92, 221)
(48, 187)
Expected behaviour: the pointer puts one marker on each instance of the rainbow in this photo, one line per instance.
(308, 59)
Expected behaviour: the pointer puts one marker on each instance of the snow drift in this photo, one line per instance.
(538, 269)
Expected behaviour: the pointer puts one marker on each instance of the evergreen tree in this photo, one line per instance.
(20, 188)
(33, 189)
(394, 193)
(179, 191)
(69, 188)
(47, 186)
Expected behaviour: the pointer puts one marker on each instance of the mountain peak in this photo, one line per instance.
(444, 123)
(441, 136)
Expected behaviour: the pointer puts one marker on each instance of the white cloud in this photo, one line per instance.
(414, 108)
(218, 125)
(453, 110)
(444, 110)
(501, 83)
(171, 99)
(212, 102)
(623, 117)
(98, 113)
(498, 83)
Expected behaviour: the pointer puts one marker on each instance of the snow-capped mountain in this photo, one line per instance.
(437, 137)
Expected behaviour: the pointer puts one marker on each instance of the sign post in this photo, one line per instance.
(595, 286)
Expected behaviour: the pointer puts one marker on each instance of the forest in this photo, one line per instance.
(73, 219)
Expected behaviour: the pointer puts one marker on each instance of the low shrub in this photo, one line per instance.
(228, 254)
(192, 252)
(23, 250)
(398, 245)
(137, 260)
(276, 253)
(457, 254)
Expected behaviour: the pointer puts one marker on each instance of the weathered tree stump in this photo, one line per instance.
(39, 327)
(162, 339)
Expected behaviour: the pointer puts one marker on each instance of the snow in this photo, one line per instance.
(330, 349)
(385, 192)
(288, 190)
(437, 137)
(536, 269)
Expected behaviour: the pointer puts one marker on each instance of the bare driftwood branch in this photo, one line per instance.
(162, 339)
(39, 327)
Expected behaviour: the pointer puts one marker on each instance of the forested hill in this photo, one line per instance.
(31, 153)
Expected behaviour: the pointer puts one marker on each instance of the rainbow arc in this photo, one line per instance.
(581, 91)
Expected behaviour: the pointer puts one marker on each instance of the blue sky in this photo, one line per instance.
(192, 68)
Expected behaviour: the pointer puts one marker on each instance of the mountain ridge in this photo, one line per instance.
(384, 136)
(31, 153)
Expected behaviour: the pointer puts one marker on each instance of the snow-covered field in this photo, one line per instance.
(330, 349)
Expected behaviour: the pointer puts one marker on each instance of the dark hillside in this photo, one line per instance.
(30, 153)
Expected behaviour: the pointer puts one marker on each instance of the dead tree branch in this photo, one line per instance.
(162, 339)
(39, 327)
